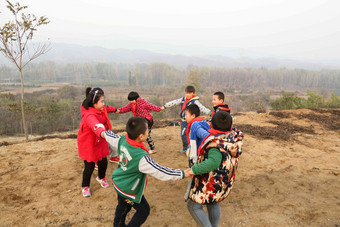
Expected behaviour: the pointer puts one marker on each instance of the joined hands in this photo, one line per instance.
(188, 173)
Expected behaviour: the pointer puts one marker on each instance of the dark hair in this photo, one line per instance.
(133, 96)
(190, 89)
(220, 95)
(222, 121)
(92, 96)
(136, 126)
(193, 109)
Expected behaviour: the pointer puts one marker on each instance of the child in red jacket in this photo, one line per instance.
(91, 147)
(141, 108)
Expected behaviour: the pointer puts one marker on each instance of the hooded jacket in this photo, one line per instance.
(214, 186)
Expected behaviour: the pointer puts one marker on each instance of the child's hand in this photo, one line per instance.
(117, 112)
(162, 108)
(102, 134)
(212, 144)
(188, 173)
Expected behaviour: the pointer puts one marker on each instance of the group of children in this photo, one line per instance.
(212, 148)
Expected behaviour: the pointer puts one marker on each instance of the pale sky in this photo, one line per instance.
(295, 29)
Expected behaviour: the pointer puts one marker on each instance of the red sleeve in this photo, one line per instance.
(110, 109)
(125, 109)
(152, 107)
(93, 124)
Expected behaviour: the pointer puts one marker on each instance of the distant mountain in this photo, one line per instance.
(71, 53)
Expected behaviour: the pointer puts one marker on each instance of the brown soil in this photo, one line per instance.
(288, 175)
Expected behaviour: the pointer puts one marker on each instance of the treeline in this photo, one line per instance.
(161, 74)
(314, 100)
(58, 110)
(51, 111)
(46, 111)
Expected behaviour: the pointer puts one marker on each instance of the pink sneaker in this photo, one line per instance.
(114, 160)
(86, 191)
(103, 182)
(152, 151)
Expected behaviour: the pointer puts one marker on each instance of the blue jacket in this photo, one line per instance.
(198, 132)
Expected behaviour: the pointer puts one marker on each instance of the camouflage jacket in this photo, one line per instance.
(214, 186)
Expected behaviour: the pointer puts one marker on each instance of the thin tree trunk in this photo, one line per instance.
(22, 105)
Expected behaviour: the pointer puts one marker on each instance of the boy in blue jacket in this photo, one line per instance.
(196, 126)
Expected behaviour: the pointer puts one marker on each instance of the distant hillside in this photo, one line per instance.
(71, 53)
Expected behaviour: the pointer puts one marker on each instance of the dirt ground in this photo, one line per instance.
(288, 175)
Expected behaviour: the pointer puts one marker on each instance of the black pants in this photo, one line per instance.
(88, 170)
(149, 139)
(123, 208)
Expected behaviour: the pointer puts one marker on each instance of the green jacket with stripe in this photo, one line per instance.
(130, 177)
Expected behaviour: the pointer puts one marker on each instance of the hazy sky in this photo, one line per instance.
(296, 29)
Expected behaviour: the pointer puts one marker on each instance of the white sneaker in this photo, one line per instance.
(103, 182)
(152, 151)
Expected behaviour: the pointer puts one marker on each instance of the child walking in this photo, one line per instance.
(130, 177)
(91, 147)
(141, 108)
(215, 163)
(189, 99)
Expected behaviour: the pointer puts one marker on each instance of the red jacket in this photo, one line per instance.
(142, 108)
(91, 147)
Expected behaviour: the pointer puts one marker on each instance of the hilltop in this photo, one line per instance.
(288, 175)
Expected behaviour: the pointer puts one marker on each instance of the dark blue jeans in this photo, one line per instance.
(184, 126)
(123, 208)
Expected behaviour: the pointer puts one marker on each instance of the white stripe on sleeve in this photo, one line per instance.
(112, 139)
(148, 166)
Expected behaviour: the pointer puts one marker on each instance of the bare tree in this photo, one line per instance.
(14, 38)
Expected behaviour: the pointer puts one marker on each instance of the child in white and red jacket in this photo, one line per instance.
(141, 108)
(91, 147)
(190, 98)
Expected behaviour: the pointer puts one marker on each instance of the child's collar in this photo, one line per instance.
(134, 143)
(193, 96)
(199, 118)
(219, 104)
(216, 132)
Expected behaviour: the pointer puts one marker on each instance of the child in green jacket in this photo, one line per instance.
(215, 167)
(130, 177)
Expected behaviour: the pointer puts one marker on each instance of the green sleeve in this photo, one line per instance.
(210, 164)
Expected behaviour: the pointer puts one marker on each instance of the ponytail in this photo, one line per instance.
(87, 91)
